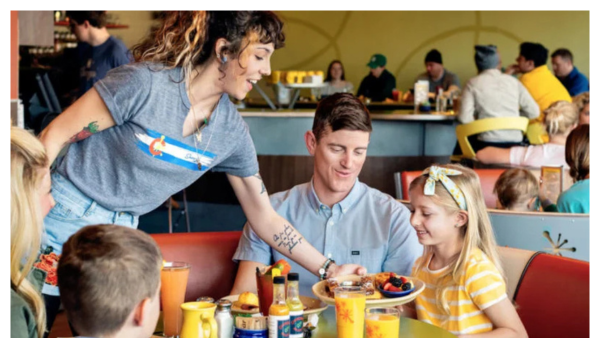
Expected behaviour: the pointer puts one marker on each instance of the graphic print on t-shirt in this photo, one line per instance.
(169, 150)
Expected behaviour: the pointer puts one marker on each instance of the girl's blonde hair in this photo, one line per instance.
(516, 187)
(560, 117)
(27, 158)
(477, 232)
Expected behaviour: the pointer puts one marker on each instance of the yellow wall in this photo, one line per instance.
(314, 38)
(139, 24)
(404, 37)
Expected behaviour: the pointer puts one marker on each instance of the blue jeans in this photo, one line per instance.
(73, 211)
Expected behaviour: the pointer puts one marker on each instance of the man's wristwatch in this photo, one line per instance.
(323, 269)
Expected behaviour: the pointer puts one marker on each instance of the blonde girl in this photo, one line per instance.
(465, 289)
(30, 201)
(560, 118)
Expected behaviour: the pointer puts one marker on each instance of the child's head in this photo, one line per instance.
(109, 281)
(517, 189)
(449, 209)
(30, 202)
(582, 101)
(577, 152)
(560, 118)
(439, 210)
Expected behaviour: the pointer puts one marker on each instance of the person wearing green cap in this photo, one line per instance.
(380, 83)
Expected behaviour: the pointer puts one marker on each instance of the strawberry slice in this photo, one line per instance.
(394, 289)
(404, 280)
(392, 274)
(387, 286)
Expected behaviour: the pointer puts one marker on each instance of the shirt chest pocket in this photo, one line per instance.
(370, 258)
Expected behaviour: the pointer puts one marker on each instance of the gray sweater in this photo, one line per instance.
(494, 94)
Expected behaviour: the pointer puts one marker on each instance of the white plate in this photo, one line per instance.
(312, 305)
(319, 291)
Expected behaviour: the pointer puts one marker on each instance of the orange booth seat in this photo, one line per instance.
(488, 178)
(212, 271)
(553, 297)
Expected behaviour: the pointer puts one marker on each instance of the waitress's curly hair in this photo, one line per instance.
(187, 38)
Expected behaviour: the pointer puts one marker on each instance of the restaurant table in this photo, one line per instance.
(409, 328)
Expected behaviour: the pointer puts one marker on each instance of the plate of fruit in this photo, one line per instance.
(374, 285)
(396, 286)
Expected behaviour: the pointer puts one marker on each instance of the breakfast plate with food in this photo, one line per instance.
(247, 303)
(385, 289)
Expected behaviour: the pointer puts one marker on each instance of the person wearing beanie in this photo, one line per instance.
(543, 86)
(437, 75)
(380, 83)
(494, 94)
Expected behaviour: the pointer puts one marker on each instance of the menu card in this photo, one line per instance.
(552, 182)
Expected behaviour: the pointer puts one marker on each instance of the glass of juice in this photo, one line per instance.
(382, 322)
(350, 304)
(173, 278)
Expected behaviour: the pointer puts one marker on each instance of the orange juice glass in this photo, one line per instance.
(173, 278)
(382, 322)
(350, 304)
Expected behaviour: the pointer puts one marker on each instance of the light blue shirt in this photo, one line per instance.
(368, 227)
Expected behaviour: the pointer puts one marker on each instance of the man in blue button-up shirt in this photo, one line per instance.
(341, 217)
(562, 64)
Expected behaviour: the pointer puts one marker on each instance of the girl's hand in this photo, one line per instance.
(407, 310)
(545, 198)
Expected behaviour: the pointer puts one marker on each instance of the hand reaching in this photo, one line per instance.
(345, 269)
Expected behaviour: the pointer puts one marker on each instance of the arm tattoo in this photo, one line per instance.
(288, 238)
(261, 182)
(91, 128)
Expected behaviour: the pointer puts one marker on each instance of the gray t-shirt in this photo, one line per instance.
(445, 81)
(141, 161)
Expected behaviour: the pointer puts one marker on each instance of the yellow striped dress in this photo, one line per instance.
(481, 286)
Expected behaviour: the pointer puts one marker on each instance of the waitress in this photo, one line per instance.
(151, 128)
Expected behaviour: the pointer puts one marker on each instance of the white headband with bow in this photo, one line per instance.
(438, 174)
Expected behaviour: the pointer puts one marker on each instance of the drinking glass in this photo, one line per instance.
(350, 304)
(382, 322)
(174, 278)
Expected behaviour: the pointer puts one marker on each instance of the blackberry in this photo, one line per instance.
(396, 282)
(405, 286)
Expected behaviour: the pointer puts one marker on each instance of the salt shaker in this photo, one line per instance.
(224, 319)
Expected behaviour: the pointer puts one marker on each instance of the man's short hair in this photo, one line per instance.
(341, 111)
(564, 53)
(534, 52)
(104, 272)
(95, 18)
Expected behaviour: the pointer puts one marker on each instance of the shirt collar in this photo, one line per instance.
(573, 73)
(491, 71)
(540, 69)
(344, 204)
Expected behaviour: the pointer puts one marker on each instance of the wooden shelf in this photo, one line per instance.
(110, 26)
